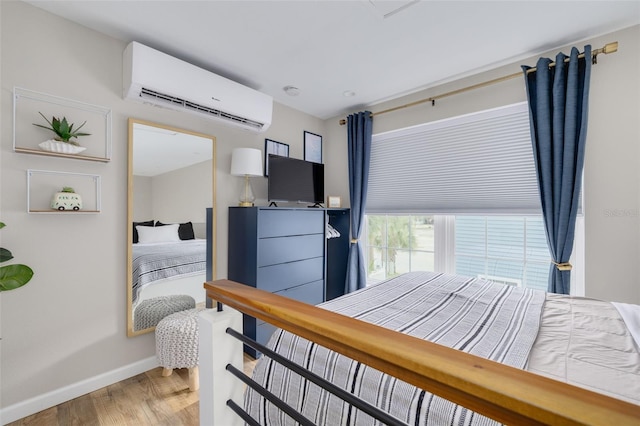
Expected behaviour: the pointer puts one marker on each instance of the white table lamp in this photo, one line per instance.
(246, 162)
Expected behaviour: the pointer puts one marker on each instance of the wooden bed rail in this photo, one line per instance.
(504, 393)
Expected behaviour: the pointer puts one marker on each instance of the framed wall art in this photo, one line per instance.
(334, 201)
(312, 147)
(275, 148)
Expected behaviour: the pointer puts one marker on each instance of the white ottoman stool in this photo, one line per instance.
(177, 344)
(149, 312)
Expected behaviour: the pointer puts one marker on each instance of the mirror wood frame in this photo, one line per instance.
(131, 332)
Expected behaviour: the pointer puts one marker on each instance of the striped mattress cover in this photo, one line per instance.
(514, 326)
(159, 261)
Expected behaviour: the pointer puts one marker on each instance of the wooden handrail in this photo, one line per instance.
(503, 393)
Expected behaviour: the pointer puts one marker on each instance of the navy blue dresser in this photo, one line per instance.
(286, 251)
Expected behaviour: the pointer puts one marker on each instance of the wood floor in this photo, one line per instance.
(146, 399)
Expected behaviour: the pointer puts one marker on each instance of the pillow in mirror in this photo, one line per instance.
(160, 234)
(185, 230)
(135, 231)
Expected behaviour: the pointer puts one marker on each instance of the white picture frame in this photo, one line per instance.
(275, 148)
(312, 147)
(334, 201)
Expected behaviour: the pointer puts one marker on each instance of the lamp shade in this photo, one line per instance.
(246, 162)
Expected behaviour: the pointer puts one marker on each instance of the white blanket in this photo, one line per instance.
(631, 316)
(585, 342)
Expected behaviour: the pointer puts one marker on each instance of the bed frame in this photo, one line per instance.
(503, 393)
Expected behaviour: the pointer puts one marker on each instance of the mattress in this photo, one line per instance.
(159, 261)
(585, 342)
(580, 341)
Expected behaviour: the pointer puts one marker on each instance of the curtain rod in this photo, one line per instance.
(608, 48)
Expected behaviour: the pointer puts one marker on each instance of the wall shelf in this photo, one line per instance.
(64, 211)
(59, 154)
(28, 104)
(43, 184)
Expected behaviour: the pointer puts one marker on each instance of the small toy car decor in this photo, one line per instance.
(67, 199)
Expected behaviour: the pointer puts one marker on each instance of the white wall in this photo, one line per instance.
(66, 329)
(182, 195)
(68, 325)
(612, 165)
(142, 199)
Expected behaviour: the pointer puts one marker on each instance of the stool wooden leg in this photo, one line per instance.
(194, 379)
(166, 372)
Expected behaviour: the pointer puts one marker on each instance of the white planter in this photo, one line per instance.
(66, 201)
(62, 147)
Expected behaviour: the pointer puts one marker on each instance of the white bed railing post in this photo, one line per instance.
(217, 349)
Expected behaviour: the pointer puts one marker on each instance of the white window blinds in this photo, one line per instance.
(480, 163)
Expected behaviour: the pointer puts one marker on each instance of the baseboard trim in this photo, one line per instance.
(50, 399)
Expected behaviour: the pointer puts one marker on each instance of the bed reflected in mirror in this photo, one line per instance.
(170, 186)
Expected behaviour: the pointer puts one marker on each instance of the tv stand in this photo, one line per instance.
(273, 204)
(316, 206)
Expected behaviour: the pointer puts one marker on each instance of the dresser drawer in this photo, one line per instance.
(272, 251)
(264, 330)
(284, 275)
(279, 223)
(311, 293)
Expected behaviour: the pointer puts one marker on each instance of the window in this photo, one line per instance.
(397, 244)
(506, 249)
(469, 183)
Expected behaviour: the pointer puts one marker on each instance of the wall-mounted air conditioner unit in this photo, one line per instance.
(155, 78)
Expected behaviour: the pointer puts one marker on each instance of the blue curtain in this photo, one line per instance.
(558, 106)
(359, 129)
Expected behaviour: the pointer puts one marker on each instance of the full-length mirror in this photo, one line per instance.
(171, 185)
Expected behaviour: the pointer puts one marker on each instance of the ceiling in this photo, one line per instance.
(374, 50)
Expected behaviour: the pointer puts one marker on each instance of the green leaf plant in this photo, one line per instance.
(63, 130)
(12, 276)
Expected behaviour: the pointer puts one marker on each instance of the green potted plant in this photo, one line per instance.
(12, 276)
(64, 132)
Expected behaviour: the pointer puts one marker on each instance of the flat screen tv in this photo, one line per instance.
(294, 180)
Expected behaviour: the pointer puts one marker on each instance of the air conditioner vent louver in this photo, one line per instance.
(155, 78)
(146, 93)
